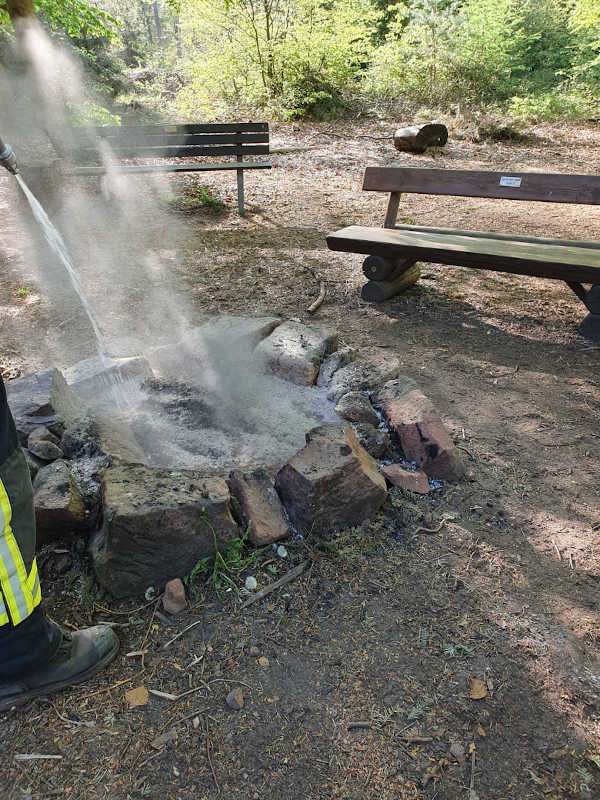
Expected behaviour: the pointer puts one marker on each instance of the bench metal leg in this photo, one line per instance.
(240, 188)
(590, 327)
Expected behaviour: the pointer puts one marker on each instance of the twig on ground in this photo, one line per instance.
(287, 578)
(322, 290)
(149, 628)
(133, 610)
(445, 519)
(191, 715)
(416, 739)
(114, 686)
(390, 136)
(360, 726)
(34, 756)
(472, 792)
(230, 680)
(212, 769)
(558, 553)
(466, 450)
(174, 697)
(178, 635)
(85, 723)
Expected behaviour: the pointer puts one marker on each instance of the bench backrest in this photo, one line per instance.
(549, 188)
(176, 141)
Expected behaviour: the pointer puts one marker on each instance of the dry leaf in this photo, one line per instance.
(477, 689)
(457, 751)
(263, 661)
(137, 697)
(562, 751)
(471, 748)
(480, 731)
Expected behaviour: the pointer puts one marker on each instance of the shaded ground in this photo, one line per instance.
(389, 629)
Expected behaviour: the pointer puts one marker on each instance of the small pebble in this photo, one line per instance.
(235, 699)
(251, 583)
(254, 651)
(281, 551)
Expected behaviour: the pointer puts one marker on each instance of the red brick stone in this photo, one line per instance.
(332, 483)
(260, 506)
(416, 481)
(422, 434)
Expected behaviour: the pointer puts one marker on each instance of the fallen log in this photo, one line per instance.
(378, 268)
(417, 138)
(378, 291)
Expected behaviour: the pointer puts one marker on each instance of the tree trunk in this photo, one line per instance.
(378, 291)
(157, 23)
(19, 8)
(417, 138)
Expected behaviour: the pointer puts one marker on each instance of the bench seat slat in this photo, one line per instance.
(179, 152)
(549, 188)
(141, 168)
(135, 141)
(536, 258)
(509, 237)
(131, 131)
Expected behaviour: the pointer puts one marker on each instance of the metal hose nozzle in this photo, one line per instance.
(7, 158)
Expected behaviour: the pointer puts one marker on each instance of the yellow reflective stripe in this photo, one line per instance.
(3, 614)
(13, 576)
(33, 584)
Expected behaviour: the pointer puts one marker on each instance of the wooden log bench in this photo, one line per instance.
(155, 143)
(392, 251)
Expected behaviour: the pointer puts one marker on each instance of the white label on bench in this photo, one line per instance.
(506, 181)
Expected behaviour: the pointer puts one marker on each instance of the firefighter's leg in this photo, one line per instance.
(26, 637)
(36, 657)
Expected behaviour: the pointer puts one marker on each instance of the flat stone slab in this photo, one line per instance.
(94, 376)
(295, 351)
(412, 480)
(59, 506)
(370, 370)
(332, 483)
(422, 434)
(158, 523)
(42, 398)
(260, 506)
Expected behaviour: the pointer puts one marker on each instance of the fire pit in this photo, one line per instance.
(243, 422)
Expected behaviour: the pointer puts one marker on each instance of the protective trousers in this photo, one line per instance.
(26, 638)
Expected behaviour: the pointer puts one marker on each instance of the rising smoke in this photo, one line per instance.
(213, 404)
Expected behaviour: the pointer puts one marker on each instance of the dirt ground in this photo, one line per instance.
(390, 628)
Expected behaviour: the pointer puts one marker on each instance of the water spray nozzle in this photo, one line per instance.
(7, 158)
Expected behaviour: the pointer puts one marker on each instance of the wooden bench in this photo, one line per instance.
(393, 250)
(159, 142)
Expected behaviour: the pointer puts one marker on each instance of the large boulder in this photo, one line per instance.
(59, 506)
(295, 351)
(157, 523)
(41, 398)
(332, 483)
(422, 434)
(260, 506)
